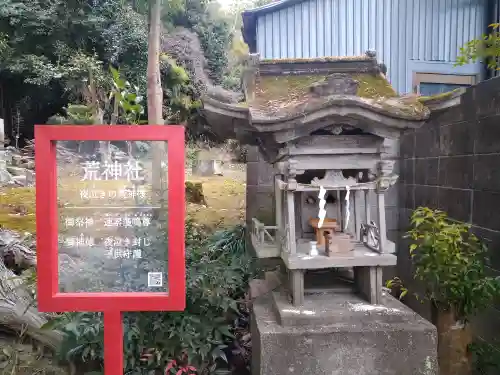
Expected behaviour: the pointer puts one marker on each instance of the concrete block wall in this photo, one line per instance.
(452, 163)
(260, 188)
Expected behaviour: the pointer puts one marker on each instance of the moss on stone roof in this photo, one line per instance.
(444, 95)
(373, 86)
(317, 59)
(277, 93)
(285, 94)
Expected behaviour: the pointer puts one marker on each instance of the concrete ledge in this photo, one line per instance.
(361, 256)
(351, 346)
(331, 308)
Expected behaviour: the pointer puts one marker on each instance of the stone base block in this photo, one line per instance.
(207, 168)
(386, 339)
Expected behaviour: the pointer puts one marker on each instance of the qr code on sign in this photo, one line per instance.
(155, 279)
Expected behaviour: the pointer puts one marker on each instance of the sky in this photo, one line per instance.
(224, 3)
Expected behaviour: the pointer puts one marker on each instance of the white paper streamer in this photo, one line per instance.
(322, 203)
(347, 207)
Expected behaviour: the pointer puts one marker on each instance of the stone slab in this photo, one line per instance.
(354, 346)
(339, 307)
(361, 256)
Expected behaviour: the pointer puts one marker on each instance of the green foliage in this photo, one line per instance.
(486, 49)
(213, 31)
(451, 263)
(59, 46)
(75, 114)
(128, 99)
(42, 36)
(217, 274)
(51, 51)
(397, 286)
(178, 92)
(485, 357)
(49, 48)
(232, 81)
(215, 39)
(125, 44)
(121, 104)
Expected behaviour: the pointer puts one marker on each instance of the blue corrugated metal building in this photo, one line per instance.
(418, 40)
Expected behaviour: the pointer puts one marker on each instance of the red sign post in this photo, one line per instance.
(48, 219)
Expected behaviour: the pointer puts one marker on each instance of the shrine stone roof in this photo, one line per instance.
(296, 97)
(284, 88)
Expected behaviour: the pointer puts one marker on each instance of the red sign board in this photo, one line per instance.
(102, 238)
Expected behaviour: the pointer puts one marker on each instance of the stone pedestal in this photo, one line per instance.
(207, 168)
(340, 334)
(2, 134)
(30, 178)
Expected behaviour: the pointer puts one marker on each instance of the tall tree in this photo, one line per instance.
(155, 91)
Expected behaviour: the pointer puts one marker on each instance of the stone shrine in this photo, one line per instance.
(322, 124)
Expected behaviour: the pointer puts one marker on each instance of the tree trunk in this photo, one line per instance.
(155, 92)
(454, 338)
(17, 309)
(98, 115)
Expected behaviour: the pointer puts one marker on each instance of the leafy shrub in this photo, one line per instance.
(485, 357)
(215, 39)
(451, 262)
(217, 274)
(232, 80)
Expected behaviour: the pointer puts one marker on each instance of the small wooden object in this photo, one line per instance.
(328, 244)
(329, 226)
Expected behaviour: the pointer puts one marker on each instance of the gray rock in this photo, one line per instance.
(6, 156)
(28, 164)
(17, 159)
(19, 180)
(5, 176)
(16, 171)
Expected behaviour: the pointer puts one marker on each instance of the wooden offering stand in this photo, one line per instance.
(329, 227)
(331, 238)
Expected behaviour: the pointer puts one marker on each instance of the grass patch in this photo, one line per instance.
(225, 199)
(17, 209)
